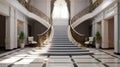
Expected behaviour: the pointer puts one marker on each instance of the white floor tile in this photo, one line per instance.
(90, 65)
(114, 64)
(103, 56)
(36, 60)
(27, 65)
(109, 60)
(4, 64)
(59, 65)
(59, 57)
(82, 57)
(59, 60)
(85, 60)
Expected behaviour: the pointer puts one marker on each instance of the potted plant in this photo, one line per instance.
(21, 39)
(98, 39)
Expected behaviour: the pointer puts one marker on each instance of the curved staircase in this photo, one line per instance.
(60, 44)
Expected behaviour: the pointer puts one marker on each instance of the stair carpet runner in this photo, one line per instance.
(60, 44)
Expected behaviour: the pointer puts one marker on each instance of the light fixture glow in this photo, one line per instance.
(60, 10)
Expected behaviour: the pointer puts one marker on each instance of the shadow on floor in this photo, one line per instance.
(3, 50)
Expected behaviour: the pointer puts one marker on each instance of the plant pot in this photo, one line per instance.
(97, 45)
(22, 45)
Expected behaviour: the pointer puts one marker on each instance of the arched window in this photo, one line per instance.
(60, 10)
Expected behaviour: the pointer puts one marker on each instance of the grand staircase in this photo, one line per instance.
(60, 44)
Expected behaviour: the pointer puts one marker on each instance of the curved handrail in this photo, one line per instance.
(92, 14)
(76, 31)
(87, 10)
(34, 10)
(39, 13)
(80, 14)
(45, 31)
(78, 38)
(44, 36)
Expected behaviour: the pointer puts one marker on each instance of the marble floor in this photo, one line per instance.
(60, 52)
(31, 57)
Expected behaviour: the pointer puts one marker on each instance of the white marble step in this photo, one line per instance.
(68, 53)
(68, 50)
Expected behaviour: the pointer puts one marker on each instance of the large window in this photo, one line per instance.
(60, 10)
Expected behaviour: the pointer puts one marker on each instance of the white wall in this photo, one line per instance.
(43, 5)
(4, 9)
(11, 28)
(12, 15)
(78, 5)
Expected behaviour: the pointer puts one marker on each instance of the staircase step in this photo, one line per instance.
(63, 46)
(68, 53)
(60, 44)
(63, 43)
(68, 50)
(66, 47)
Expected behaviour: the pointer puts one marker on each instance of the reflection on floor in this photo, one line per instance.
(60, 52)
(31, 57)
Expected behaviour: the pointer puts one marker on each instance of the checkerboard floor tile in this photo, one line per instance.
(31, 57)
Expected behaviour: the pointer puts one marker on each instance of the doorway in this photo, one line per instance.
(2, 32)
(29, 30)
(99, 29)
(111, 32)
(20, 27)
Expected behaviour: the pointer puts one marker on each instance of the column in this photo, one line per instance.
(117, 30)
(10, 30)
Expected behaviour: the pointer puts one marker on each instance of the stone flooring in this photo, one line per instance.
(60, 52)
(31, 57)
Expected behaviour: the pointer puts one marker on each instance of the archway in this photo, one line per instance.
(68, 7)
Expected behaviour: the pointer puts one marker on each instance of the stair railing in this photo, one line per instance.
(34, 10)
(43, 37)
(87, 10)
(77, 37)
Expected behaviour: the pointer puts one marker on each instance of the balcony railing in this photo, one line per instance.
(39, 13)
(87, 10)
(35, 10)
